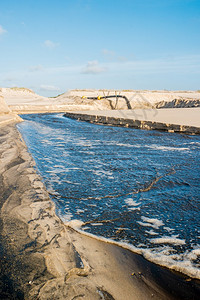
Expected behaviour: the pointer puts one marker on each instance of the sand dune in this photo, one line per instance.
(26, 101)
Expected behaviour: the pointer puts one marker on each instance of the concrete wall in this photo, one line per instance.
(123, 122)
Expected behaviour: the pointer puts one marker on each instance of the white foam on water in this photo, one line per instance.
(116, 143)
(79, 211)
(194, 143)
(133, 205)
(168, 240)
(57, 170)
(84, 143)
(194, 254)
(167, 148)
(122, 228)
(150, 222)
(133, 208)
(66, 217)
(60, 138)
(131, 202)
(55, 179)
(124, 145)
(58, 166)
(168, 229)
(178, 262)
(70, 182)
(102, 173)
(85, 228)
(151, 232)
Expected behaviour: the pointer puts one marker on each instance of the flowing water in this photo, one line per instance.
(133, 186)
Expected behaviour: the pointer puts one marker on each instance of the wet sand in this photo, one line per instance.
(42, 258)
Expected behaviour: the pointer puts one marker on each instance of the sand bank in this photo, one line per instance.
(42, 258)
(171, 119)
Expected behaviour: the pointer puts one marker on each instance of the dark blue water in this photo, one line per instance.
(134, 186)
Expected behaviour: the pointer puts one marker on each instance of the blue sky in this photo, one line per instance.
(52, 46)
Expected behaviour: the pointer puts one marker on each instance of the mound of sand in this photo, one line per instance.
(17, 96)
(22, 100)
(179, 103)
(135, 99)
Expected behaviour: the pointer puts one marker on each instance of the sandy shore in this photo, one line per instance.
(42, 258)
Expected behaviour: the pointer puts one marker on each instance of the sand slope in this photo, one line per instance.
(14, 96)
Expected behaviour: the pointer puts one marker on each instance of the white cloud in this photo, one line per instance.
(2, 30)
(180, 64)
(122, 58)
(52, 88)
(93, 67)
(36, 68)
(50, 44)
(107, 52)
(111, 55)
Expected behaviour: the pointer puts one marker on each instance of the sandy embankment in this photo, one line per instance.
(143, 114)
(22, 100)
(41, 258)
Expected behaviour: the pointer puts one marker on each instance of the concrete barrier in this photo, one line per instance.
(133, 123)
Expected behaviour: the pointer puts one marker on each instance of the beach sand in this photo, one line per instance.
(42, 258)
